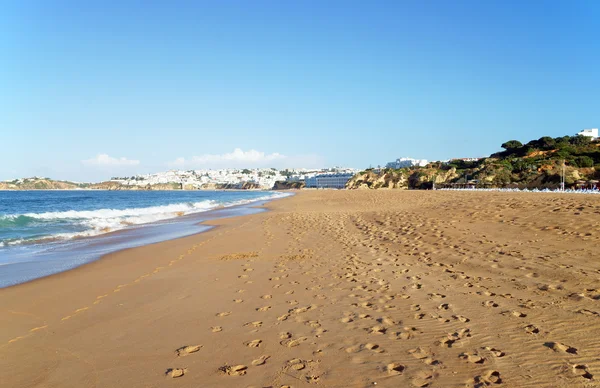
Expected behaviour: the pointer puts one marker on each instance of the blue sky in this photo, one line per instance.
(94, 89)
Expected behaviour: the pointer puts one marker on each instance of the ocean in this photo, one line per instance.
(46, 232)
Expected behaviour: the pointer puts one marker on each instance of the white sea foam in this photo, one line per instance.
(108, 220)
(124, 213)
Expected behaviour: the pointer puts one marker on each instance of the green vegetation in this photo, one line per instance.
(537, 163)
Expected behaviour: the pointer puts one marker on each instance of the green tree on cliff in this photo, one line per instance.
(512, 145)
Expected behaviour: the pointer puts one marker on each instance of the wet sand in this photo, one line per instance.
(333, 289)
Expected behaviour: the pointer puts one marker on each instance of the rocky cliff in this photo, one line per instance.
(540, 163)
(385, 179)
(285, 185)
(491, 172)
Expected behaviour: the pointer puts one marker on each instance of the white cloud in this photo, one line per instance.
(106, 160)
(237, 158)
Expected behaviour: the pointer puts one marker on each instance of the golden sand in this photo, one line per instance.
(333, 289)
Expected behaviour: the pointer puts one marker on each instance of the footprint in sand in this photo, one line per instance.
(185, 350)
(223, 314)
(560, 347)
(354, 349)
(422, 379)
(285, 335)
(175, 372)
(261, 360)
(266, 296)
(436, 295)
(216, 329)
(312, 379)
(264, 308)
(583, 371)
(386, 321)
(253, 344)
(448, 341)
(292, 343)
(378, 329)
(283, 317)
(395, 369)
(461, 318)
(423, 355)
(346, 320)
(488, 378)
(236, 370)
(296, 364)
(238, 300)
(588, 312)
(374, 347)
(299, 310)
(518, 314)
(494, 351)
(403, 335)
(445, 342)
(531, 329)
(439, 318)
(490, 303)
(472, 358)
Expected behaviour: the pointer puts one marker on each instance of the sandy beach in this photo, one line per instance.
(333, 289)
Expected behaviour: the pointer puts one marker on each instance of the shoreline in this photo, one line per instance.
(121, 239)
(212, 224)
(337, 288)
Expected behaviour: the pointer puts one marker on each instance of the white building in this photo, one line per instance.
(328, 181)
(406, 162)
(592, 132)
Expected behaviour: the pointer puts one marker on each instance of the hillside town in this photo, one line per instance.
(256, 178)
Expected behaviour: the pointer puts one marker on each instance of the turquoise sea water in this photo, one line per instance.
(45, 232)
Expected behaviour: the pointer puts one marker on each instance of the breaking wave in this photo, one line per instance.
(94, 222)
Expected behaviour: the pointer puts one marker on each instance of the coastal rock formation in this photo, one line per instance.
(489, 173)
(388, 179)
(111, 185)
(541, 163)
(49, 184)
(36, 183)
(285, 185)
(233, 186)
